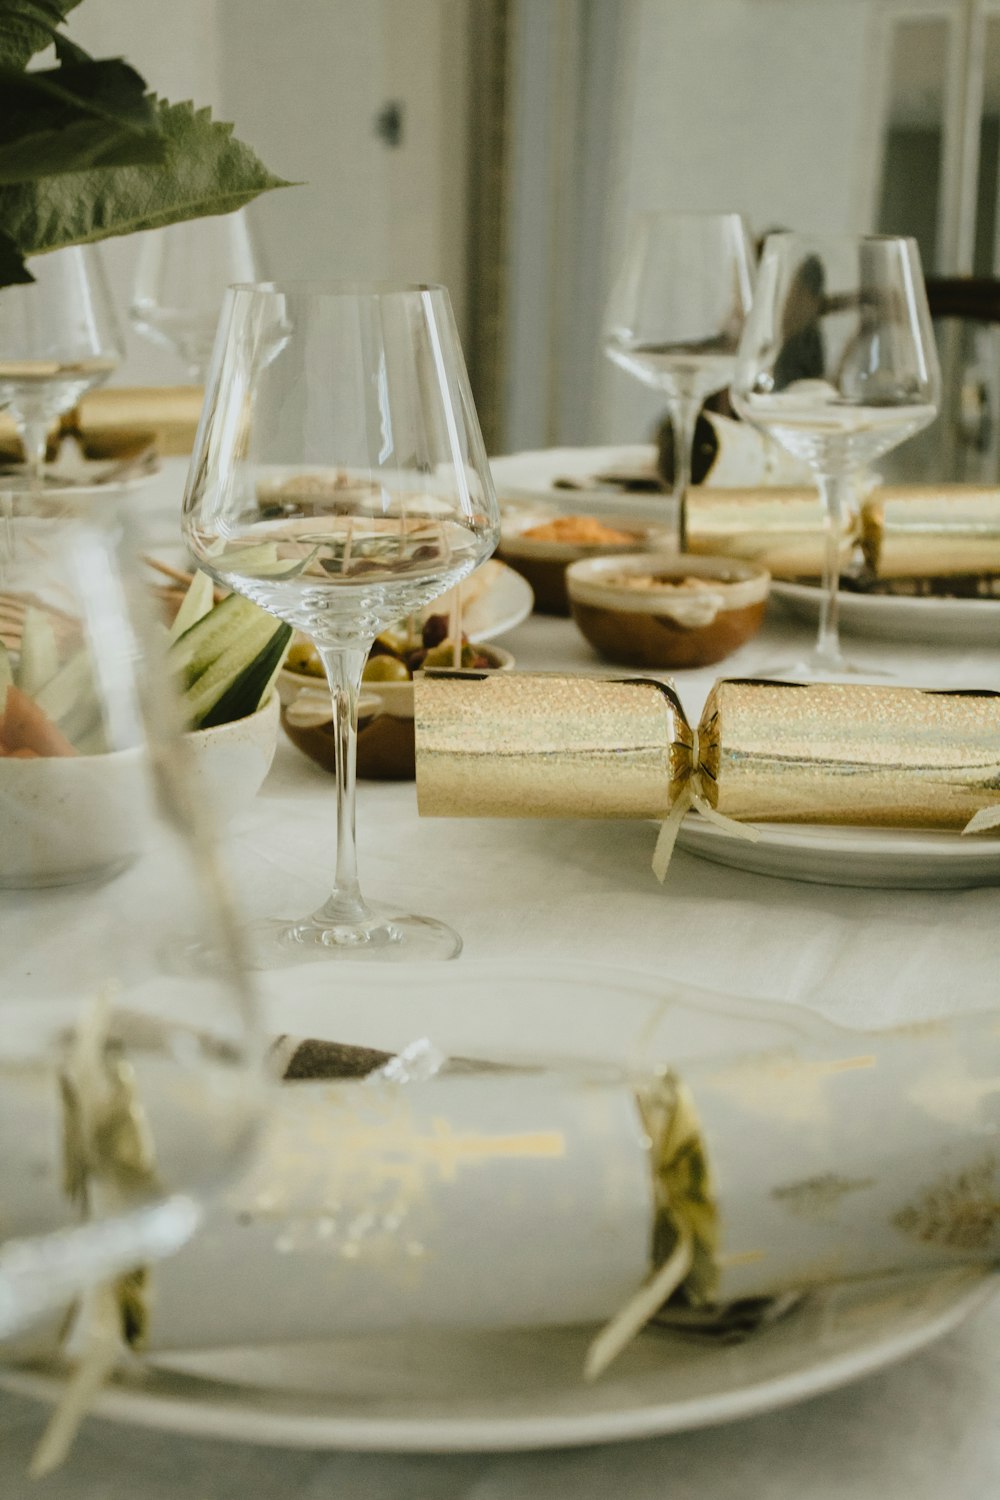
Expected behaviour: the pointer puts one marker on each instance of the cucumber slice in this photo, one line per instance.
(39, 653)
(194, 652)
(246, 693)
(206, 690)
(73, 681)
(197, 602)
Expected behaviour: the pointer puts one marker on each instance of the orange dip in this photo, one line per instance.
(582, 530)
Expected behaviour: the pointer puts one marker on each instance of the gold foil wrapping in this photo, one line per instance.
(782, 529)
(120, 419)
(935, 531)
(510, 745)
(506, 745)
(836, 753)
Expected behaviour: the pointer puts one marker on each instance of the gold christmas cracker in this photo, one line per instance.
(782, 529)
(932, 531)
(119, 419)
(503, 745)
(522, 745)
(846, 753)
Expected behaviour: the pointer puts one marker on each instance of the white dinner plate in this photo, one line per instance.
(890, 858)
(531, 477)
(504, 605)
(895, 617)
(460, 1392)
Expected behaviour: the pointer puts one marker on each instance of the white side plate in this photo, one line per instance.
(888, 858)
(891, 617)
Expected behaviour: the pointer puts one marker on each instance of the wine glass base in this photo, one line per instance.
(820, 669)
(386, 936)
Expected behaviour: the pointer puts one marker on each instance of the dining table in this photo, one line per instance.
(546, 893)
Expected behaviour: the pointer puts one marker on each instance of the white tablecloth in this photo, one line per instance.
(923, 1430)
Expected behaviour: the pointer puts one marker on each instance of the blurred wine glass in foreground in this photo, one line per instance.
(128, 1090)
(181, 279)
(59, 337)
(675, 315)
(339, 479)
(838, 363)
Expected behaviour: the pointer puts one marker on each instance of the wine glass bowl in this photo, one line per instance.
(180, 282)
(838, 363)
(59, 338)
(675, 315)
(340, 480)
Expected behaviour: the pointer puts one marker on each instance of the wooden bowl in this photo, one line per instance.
(544, 563)
(698, 610)
(386, 750)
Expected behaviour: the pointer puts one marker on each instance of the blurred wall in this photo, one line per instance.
(305, 82)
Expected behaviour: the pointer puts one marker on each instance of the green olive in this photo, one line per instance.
(303, 657)
(385, 669)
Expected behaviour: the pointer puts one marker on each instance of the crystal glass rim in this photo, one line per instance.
(321, 288)
(832, 237)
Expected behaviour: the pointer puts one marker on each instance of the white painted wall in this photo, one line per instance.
(304, 80)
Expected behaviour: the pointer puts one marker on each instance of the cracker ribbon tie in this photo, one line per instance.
(692, 795)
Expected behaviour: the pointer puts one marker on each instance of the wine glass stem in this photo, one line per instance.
(683, 417)
(34, 440)
(344, 666)
(835, 492)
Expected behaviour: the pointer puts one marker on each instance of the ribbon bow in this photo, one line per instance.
(692, 795)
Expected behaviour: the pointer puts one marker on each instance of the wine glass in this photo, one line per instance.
(838, 363)
(59, 338)
(675, 315)
(339, 479)
(130, 1089)
(181, 278)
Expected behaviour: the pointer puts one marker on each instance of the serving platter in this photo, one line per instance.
(887, 858)
(896, 617)
(524, 1390)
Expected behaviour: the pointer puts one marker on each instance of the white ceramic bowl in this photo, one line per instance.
(64, 820)
(229, 763)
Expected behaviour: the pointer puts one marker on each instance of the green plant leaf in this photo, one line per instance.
(28, 26)
(207, 171)
(91, 114)
(69, 52)
(13, 271)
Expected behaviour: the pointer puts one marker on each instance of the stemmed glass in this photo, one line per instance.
(129, 1089)
(59, 337)
(339, 479)
(675, 315)
(181, 279)
(838, 363)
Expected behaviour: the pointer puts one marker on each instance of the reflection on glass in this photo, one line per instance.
(838, 363)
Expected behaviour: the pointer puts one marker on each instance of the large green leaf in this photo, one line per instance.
(206, 171)
(28, 26)
(13, 271)
(91, 114)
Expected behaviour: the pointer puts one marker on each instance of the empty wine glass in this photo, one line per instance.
(181, 279)
(339, 479)
(59, 337)
(838, 363)
(129, 1090)
(675, 315)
